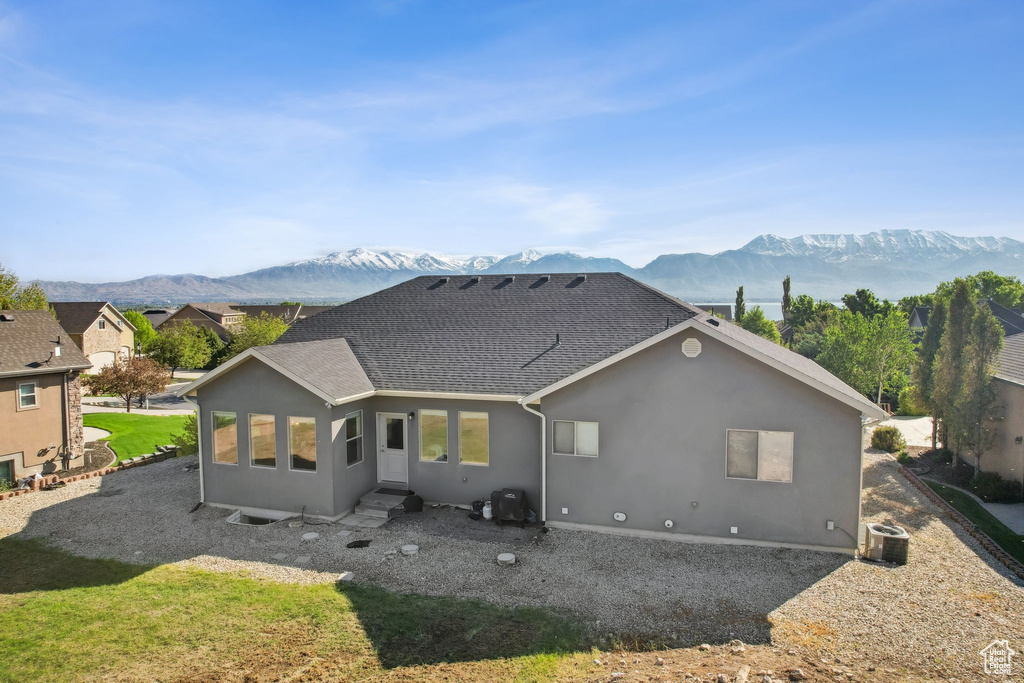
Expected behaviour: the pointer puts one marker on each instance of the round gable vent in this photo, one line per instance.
(691, 347)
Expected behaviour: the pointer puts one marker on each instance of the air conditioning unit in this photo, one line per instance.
(886, 543)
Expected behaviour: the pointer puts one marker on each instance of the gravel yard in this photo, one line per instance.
(933, 615)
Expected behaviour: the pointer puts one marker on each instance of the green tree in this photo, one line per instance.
(188, 440)
(741, 306)
(948, 369)
(908, 303)
(787, 301)
(1005, 290)
(144, 332)
(868, 353)
(977, 410)
(755, 321)
(12, 296)
(130, 379)
(218, 349)
(254, 331)
(865, 302)
(924, 365)
(182, 345)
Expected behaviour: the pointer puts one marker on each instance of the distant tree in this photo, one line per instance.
(741, 306)
(1005, 290)
(12, 296)
(144, 332)
(948, 369)
(908, 303)
(218, 349)
(755, 321)
(924, 365)
(254, 331)
(183, 345)
(130, 379)
(865, 302)
(290, 303)
(787, 302)
(868, 353)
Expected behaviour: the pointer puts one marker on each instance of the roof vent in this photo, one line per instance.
(713, 321)
(691, 347)
(7, 317)
(545, 278)
(510, 278)
(475, 279)
(582, 277)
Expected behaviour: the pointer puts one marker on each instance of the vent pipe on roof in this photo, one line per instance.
(558, 339)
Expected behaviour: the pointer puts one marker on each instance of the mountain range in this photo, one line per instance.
(893, 263)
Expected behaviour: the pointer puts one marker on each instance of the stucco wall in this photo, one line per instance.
(663, 420)
(514, 451)
(31, 431)
(254, 388)
(351, 482)
(1007, 456)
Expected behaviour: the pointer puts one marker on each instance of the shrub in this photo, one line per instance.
(888, 439)
(992, 488)
(904, 458)
(910, 403)
(6, 485)
(188, 441)
(939, 455)
(962, 474)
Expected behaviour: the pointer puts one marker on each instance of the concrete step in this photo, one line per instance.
(375, 510)
(381, 499)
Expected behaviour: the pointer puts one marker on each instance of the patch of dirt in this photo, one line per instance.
(97, 456)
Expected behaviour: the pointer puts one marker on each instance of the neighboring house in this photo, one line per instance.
(1011, 321)
(719, 310)
(40, 394)
(98, 328)
(616, 407)
(220, 317)
(1007, 453)
(156, 316)
(919, 317)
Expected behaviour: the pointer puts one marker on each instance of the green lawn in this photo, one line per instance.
(132, 435)
(969, 508)
(71, 618)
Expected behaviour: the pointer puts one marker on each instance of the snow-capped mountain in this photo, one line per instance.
(891, 262)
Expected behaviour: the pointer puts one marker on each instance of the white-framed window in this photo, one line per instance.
(118, 323)
(225, 437)
(574, 438)
(302, 443)
(102, 324)
(474, 439)
(433, 435)
(354, 438)
(760, 455)
(28, 395)
(262, 441)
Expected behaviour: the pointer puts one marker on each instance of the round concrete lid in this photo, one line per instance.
(311, 536)
(506, 558)
(410, 549)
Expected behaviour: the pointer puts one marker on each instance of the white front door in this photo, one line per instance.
(393, 446)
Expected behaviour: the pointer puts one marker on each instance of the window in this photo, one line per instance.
(354, 438)
(7, 472)
(302, 443)
(28, 396)
(118, 323)
(225, 438)
(262, 441)
(474, 446)
(434, 435)
(765, 456)
(102, 324)
(574, 438)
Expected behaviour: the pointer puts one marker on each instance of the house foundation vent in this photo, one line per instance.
(691, 347)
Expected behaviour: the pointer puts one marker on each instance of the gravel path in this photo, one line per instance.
(933, 615)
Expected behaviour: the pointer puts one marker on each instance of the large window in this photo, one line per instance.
(765, 456)
(354, 438)
(302, 443)
(474, 445)
(434, 435)
(28, 396)
(262, 441)
(225, 438)
(574, 438)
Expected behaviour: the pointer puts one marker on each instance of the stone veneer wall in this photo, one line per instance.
(76, 437)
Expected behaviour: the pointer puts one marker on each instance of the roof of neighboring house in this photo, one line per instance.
(1012, 322)
(310, 311)
(724, 310)
(155, 317)
(28, 341)
(922, 313)
(219, 309)
(518, 337)
(1011, 360)
(76, 316)
(289, 314)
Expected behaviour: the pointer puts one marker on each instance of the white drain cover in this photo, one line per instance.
(506, 559)
(311, 536)
(410, 549)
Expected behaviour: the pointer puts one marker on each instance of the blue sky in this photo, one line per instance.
(145, 137)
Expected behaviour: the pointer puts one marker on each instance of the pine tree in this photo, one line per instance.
(741, 307)
(949, 361)
(787, 302)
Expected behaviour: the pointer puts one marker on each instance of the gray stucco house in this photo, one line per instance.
(616, 407)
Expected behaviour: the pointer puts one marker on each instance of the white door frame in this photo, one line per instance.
(382, 439)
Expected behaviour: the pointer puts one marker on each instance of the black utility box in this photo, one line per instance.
(509, 505)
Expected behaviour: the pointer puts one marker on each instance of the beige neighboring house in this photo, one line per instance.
(40, 394)
(98, 328)
(1007, 453)
(222, 316)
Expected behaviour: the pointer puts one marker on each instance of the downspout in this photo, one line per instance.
(543, 461)
(199, 445)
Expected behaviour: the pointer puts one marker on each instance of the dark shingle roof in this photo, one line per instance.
(285, 313)
(1012, 322)
(491, 334)
(1011, 360)
(327, 365)
(28, 341)
(922, 313)
(76, 316)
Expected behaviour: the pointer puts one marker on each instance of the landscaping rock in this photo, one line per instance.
(310, 536)
(280, 557)
(796, 675)
(303, 559)
(704, 647)
(346, 576)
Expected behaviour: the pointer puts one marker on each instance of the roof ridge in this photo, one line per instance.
(664, 295)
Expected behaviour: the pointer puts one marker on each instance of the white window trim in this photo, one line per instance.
(362, 431)
(101, 324)
(252, 452)
(758, 479)
(475, 464)
(213, 437)
(575, 438)
(447, 438)
(316, 462)
(35, 395)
